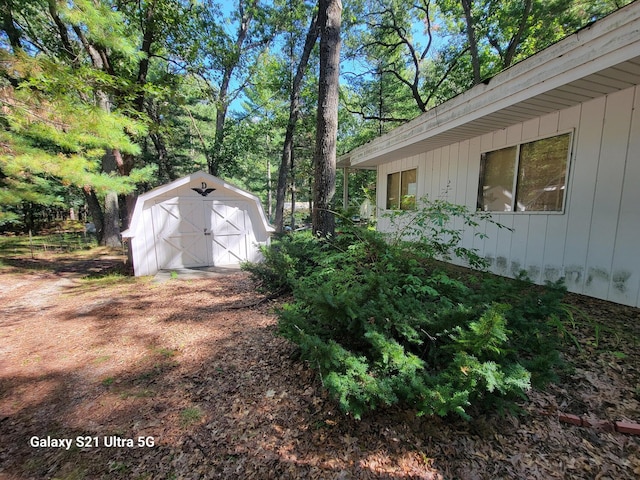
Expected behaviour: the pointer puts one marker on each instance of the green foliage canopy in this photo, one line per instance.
(51, 135)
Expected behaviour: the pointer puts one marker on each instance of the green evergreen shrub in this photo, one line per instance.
(385, 323)
(290, 256)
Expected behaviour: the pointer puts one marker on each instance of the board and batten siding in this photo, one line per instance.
(594, 243)
(196, 221)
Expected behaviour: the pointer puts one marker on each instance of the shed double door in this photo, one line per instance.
(200, 233)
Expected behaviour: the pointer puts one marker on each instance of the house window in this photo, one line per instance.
(401, 190)
(530, 177)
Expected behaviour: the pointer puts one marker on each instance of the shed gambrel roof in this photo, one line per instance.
(599, 59)
(196, 177)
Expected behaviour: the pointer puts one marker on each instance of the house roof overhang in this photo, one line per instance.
(601, 58)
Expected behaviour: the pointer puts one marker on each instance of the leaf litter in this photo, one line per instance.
(221, 395)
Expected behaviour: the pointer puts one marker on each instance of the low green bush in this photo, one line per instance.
(384, 322)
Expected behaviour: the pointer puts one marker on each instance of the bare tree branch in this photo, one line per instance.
(361, 113)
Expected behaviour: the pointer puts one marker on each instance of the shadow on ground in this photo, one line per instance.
(197, 367)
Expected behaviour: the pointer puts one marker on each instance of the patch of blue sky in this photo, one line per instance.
(351, 67)
(423, 36)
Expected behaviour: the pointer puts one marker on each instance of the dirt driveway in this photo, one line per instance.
(116, 377)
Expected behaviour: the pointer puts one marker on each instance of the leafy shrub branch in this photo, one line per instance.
(437, 226)
(384, 322)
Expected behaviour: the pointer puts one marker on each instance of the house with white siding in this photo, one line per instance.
(551, 147)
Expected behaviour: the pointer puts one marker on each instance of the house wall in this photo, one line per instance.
(594, 242)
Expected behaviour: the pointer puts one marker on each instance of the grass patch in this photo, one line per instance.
(34, 464)
(75, 474)
(107, 382)
(101, 359)
(56, 242)
(99, 266)
(190, 416)
(117, 467)
(106, 279)
(31, 360)
(164, 352)
(157, 367)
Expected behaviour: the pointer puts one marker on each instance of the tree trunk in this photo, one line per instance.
(329, 18)
(221, 115)
(95, 211)
(111, 236)
(165, 167)
(517, 37)
(148, 38)
(473, 42)
(294, 115)
(223, 99)
(111, 212)
(107, 221)
(9, 26)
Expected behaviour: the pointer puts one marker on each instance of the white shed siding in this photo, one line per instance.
(594, 242)
(145, 262)
(174, 226)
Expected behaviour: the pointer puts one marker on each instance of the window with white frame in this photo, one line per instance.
(530, 177)
(401, 190)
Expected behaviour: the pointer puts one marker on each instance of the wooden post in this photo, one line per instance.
(31, 244)
(345, 188)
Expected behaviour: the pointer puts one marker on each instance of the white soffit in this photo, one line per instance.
(597, 60)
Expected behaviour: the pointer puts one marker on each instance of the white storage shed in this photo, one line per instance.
(196, 221)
